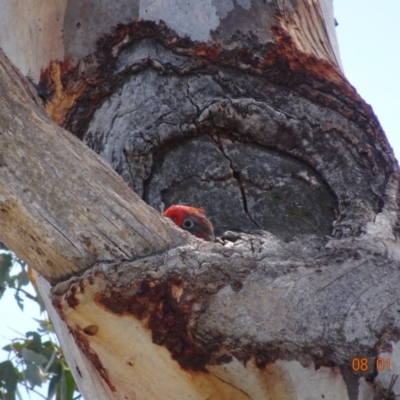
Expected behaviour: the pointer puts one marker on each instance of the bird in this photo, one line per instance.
(191, 219)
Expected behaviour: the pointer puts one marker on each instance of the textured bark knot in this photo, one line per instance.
(252, 164)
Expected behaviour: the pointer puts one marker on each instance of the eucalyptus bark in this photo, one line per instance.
(239, 107)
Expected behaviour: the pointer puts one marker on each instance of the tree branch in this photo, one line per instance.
(63, 208)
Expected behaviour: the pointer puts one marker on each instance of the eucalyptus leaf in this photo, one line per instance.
(30, 357)
(5, 266)
(67, 386)
(19, 300)
(22, 278)
(36, 340)
(8, 379)
(54, 383)
(34, 375)
(70, 384)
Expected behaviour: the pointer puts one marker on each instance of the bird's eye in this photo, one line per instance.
(187, 223)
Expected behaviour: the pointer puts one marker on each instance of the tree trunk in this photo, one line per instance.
(239, 107)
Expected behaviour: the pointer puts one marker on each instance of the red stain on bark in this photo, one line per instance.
(84, 344)
(167, 318)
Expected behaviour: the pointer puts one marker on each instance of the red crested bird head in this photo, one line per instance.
(191, 219)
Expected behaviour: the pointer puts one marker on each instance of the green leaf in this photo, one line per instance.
(71, 385)
(19, 300)
(34, 375)
(22, 278)
(30, 357)
(15, 346)
(54, 383)
(5, 266)
(36, 342)
(67, 386)
(8, 379)
(45, 325)
(62, 388)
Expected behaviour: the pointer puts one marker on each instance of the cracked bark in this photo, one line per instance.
(256, 124)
